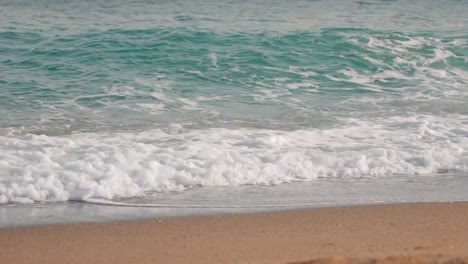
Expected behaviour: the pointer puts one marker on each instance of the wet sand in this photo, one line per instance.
(400, 233)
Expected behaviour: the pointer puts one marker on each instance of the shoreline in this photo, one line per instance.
(83, 213)
(297, 195)
(416, 231)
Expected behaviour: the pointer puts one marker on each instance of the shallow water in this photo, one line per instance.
(243, 199)
(157, 99)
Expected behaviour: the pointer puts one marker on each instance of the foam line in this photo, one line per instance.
(110, 203)
(121, 165)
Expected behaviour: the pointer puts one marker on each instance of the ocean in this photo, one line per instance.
(233, 103)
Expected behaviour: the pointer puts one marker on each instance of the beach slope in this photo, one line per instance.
(401, 233)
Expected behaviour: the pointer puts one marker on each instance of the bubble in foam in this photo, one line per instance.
(113, 165)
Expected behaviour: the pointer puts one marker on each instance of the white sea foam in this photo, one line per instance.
(213, 59)
(304, 84)
(430, 73)
(112, 165)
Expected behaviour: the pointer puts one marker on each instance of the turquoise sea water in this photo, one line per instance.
(124, 99)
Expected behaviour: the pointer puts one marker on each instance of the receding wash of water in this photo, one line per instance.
(233, 103)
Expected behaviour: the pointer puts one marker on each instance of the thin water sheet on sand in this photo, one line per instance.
(405, 233)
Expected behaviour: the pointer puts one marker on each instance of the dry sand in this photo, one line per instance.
(387, 234)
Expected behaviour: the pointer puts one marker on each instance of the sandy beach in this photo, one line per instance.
(403, 233)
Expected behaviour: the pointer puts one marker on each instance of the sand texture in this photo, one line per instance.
(380, 234)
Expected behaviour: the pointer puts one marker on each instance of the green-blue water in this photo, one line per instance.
(108, 100)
